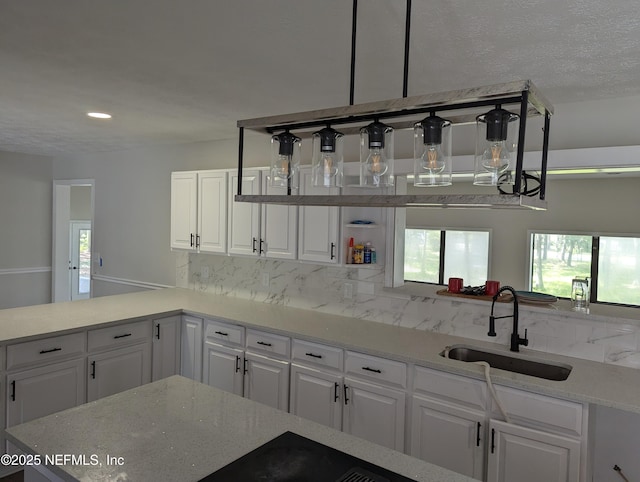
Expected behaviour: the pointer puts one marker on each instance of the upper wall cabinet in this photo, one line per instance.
(279, 226)
(199, 211)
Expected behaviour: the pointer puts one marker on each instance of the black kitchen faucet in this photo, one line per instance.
(516, 341)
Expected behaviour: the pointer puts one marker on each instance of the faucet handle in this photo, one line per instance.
(524, 341)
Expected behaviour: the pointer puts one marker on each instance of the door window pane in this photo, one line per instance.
(84, 244)
(422, 255)
(619, 270)
(466, 256)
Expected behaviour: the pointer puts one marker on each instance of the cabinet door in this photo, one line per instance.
(223, 368)
(165, 352)
(279, 226)
(316, 396)
(212, 212)
(183, 209)
(191, 348)
(448, 436)
(520, 454)
(42, 391)
(266, 381)
(244, 218)
(318, 225)
(118, 370)
(374, 413)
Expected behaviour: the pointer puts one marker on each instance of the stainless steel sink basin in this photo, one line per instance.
(518, 364)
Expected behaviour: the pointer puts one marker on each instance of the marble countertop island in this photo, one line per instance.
(180, 430)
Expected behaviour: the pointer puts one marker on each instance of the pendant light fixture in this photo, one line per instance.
(285, 161)
(327, 160)
(432, 152)
(376, 155)
(495, 145)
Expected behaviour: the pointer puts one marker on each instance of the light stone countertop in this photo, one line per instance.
(591, 382)
(180, 430)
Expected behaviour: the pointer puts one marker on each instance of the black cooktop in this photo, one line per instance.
(293, 458)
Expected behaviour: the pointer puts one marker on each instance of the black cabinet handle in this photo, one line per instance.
(237, 363)
(245, 366)
(261, 242)
(254, 245)
(197, 240)
(263, 343)
(313, 355)
(93, 369)
(333, 250)
(158, 331)
(478, 434)
(42, 352)
(346, 398)
(13, 390)
(375, 370)
(493, 439)
(222, 333)
(192, 240)
(335, 394)
(121, 336)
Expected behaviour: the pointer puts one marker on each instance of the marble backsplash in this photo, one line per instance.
(322, 288)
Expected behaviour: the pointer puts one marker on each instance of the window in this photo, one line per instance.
(432, 256)
(612, 262)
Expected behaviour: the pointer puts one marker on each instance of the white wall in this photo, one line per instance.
(80, 203)
(25, 236)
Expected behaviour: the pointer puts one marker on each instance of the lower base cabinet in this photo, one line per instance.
(520, 454)
(266, 380)
(165, 353)
(317, 395)
(223, 368)
(191, 348)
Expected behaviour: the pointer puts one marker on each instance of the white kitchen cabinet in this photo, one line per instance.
(165, 351)
(449, 436)
(191, 348)
(199, 211)
(278, 226)
(244, 218)
(117, 370)
(316, 395)
(319, 226)
(45, 390)
(266, 380)
(520, 454)
(223, 368)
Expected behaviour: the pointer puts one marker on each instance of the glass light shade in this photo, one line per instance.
(285, 161)
(432, 152)
(327, 159)
(376, 155)
(496, 145)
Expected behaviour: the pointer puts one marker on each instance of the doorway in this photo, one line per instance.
(73, 211)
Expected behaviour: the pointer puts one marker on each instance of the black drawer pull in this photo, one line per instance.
(237, 363)
(245, 366)
(93, 369)
(263, 343)
(221, 333)
(493, 440)
(333, 250)
(478, 427)
(192, 240)
(13, 390)
(42, 352)
(121, 336)
(335, 396)
(254, 245)
(375, 370)
(313, 355)
(197, 240)
(346, 398)
(158, 331)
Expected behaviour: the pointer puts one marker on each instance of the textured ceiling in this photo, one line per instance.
(184, 71)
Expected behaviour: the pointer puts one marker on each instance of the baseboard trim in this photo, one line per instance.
(129, 282)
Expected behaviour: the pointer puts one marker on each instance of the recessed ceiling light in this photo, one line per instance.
(99, 115)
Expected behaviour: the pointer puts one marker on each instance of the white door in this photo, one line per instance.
(184, 203)
(42, 391)
(80, 260)
(212, 212)
(279, 226)
(448, 436)
(266, 381)
(118, 370)
(165, 352)
(519, 454)
(374, 413)
(191, 348)
(223, 368)
(319, 225)
(244, 218)
(316, 396)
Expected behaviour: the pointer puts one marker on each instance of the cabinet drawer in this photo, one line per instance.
(317, 354)
(539, 411)
(119, 335)
(448, 387)
(373, 368)
(45, 350)
(225, 333)
(268, 343)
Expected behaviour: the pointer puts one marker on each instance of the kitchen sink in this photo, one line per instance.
(512, 363)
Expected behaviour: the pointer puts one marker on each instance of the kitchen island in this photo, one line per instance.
(176, 429)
